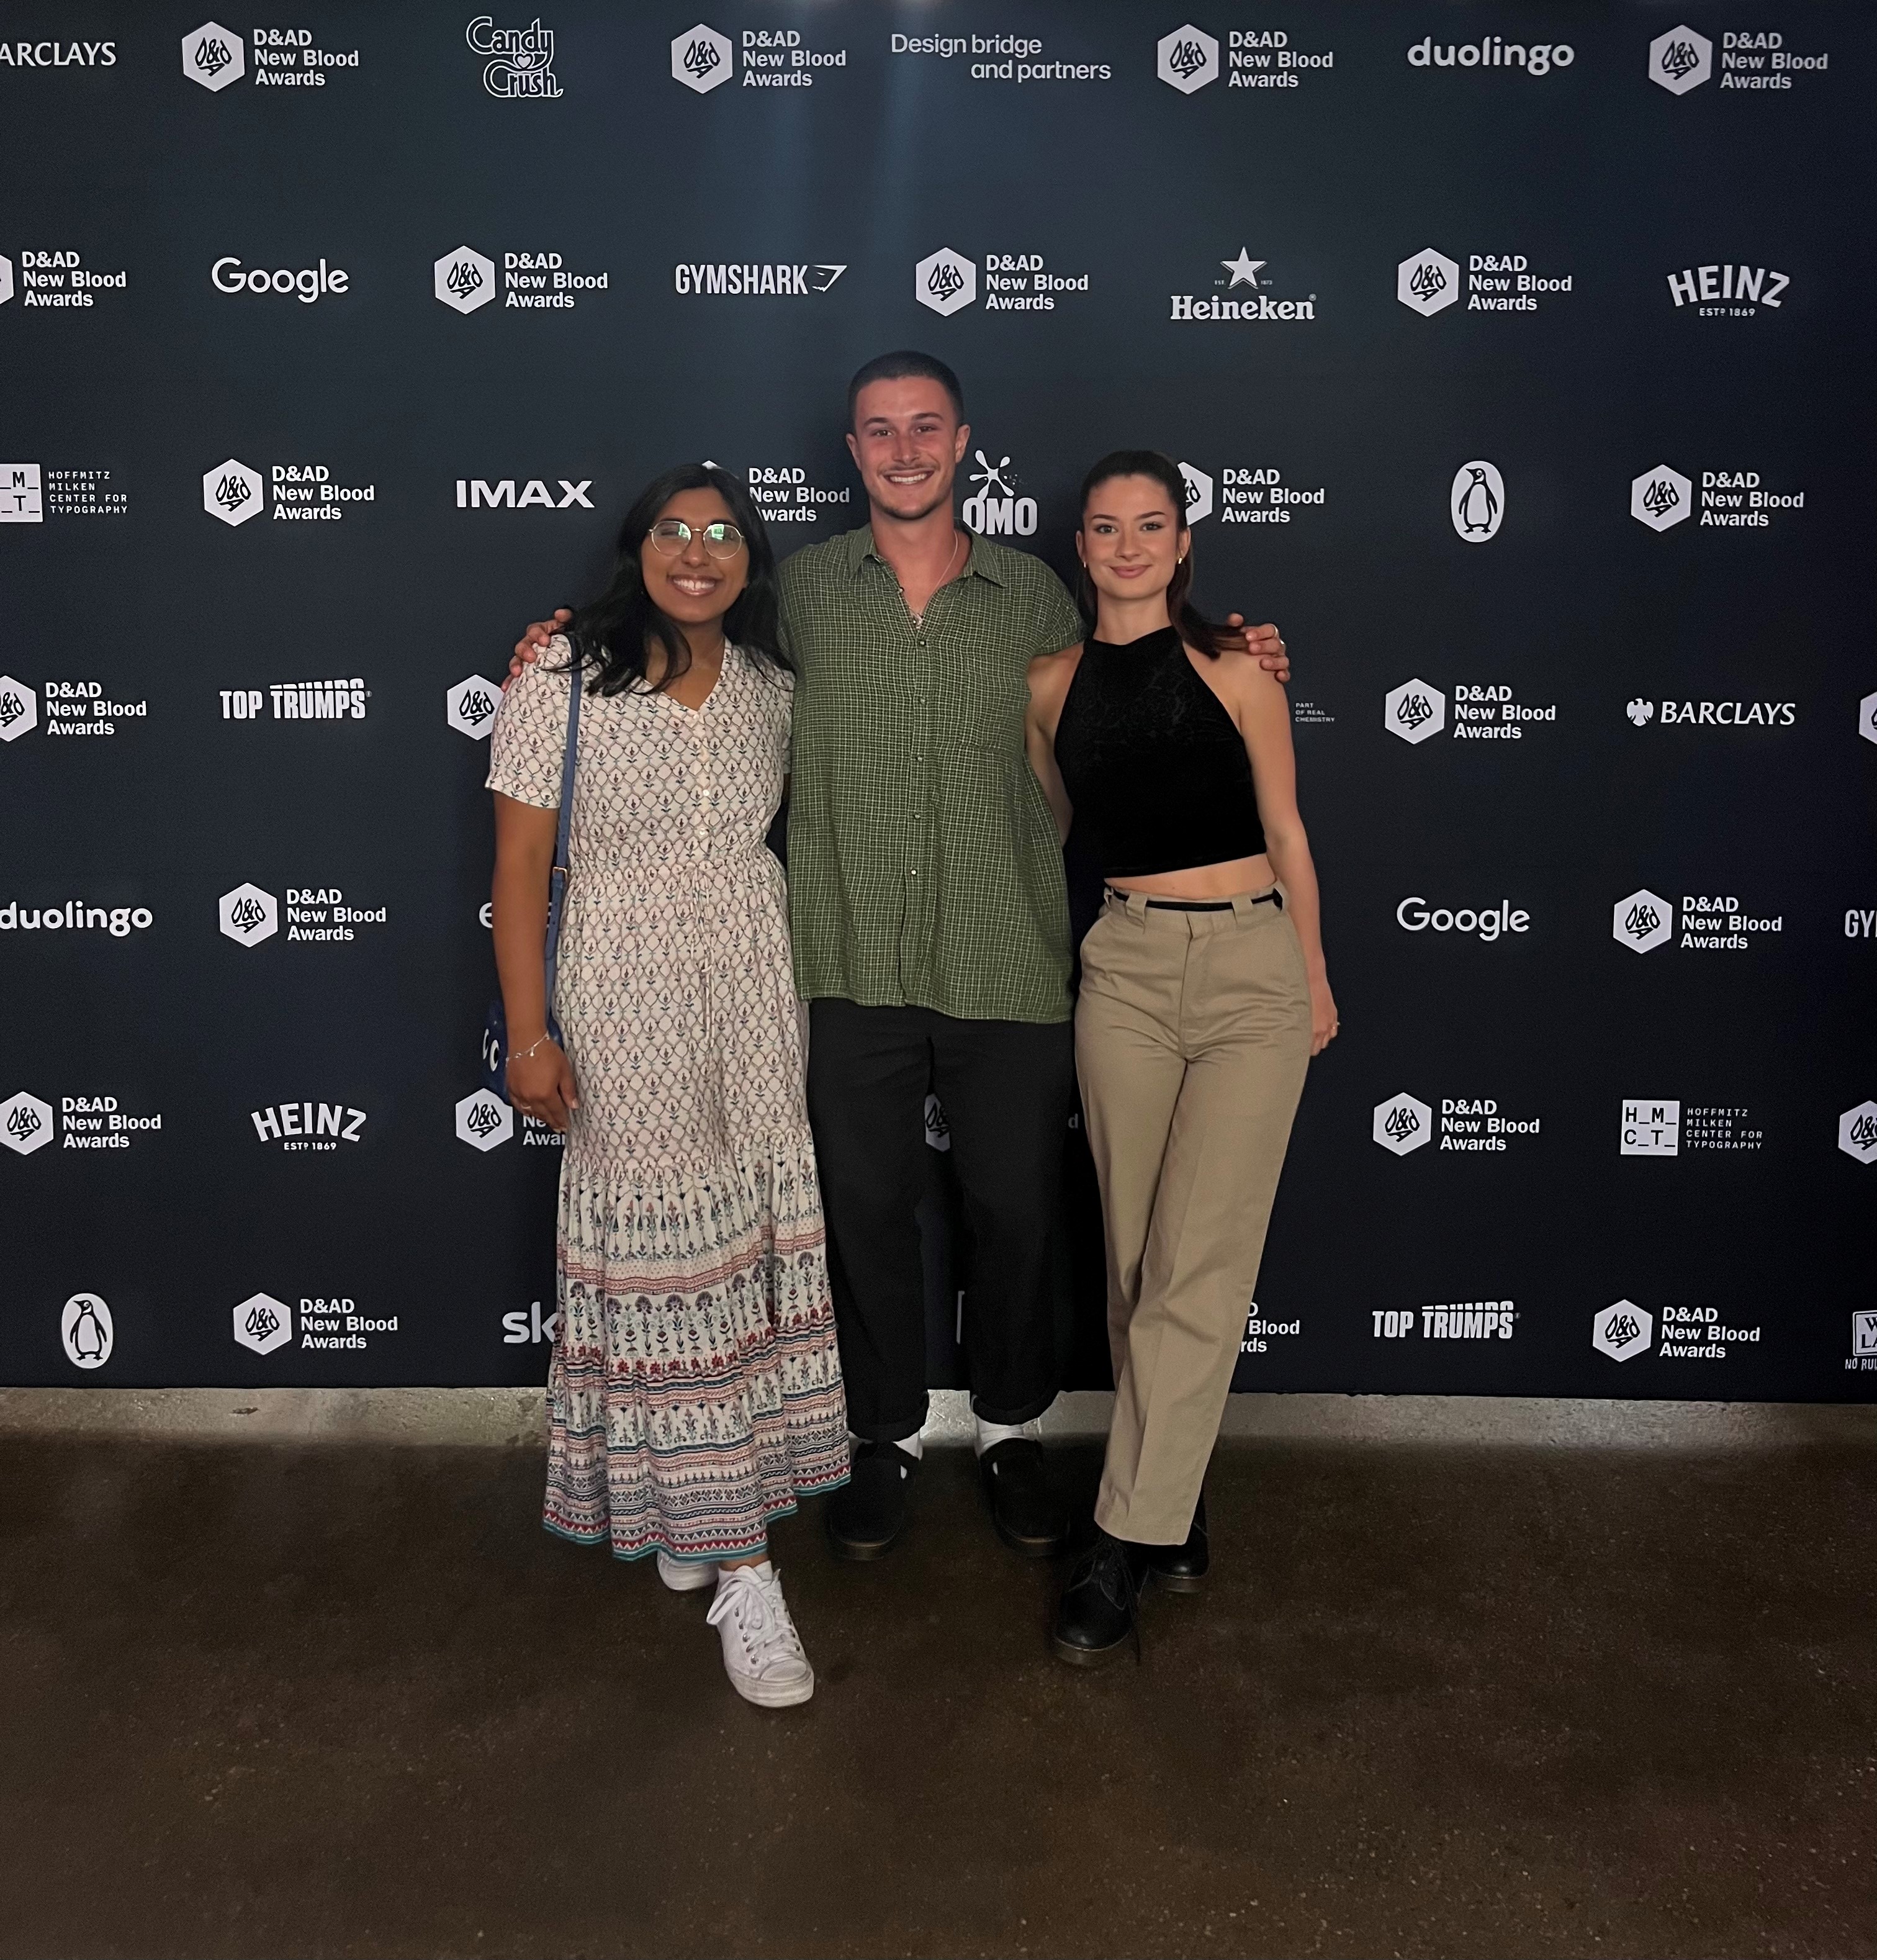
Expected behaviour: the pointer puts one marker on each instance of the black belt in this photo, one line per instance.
(1273, 897)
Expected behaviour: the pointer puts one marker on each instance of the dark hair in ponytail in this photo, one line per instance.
(1192, 624)
(612, 636)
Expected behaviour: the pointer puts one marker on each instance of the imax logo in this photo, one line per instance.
(473, 494)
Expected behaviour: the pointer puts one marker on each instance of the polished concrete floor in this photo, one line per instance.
(351, 1701)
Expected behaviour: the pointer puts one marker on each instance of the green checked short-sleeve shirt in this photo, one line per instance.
(923, 866)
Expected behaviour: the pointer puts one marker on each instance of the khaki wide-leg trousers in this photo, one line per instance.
(1192, 1038)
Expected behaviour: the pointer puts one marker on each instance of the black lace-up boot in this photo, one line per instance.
(1099, 1609)
(1182, 1568)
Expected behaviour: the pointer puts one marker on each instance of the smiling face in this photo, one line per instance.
(691, 587)
(907, 442)
(1131, 538)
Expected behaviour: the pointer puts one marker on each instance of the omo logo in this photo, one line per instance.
(86, 1329)
(484, 1120)
(19, 709)
(1857, 1133)
(247, 914)
(1402, 1123)
(213, 56)
(469, 706)
(233, 492)
(263, 1323)
(1643, 921)
(1415, 710)
(1004, 514)
(26, 1124)
(1476, 501)
(702, 58)
(1661, 498)
(1622, 1332)
(1427, 282)
(463, 279)
(1188, 59)
(945, 281)
(1680, 60)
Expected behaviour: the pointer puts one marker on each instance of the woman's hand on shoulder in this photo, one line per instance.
(535, 641)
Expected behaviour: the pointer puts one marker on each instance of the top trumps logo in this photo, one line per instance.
(521, 58)
(213, 56)
(702, 59)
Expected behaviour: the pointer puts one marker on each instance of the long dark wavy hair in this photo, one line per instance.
(612, 637)
(1193, 625)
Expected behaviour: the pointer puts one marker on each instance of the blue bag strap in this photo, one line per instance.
(557, 883)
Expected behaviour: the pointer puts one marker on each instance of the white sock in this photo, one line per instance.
(990, 1434)
(764, 1571)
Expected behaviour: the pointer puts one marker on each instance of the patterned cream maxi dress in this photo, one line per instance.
(694, 1390)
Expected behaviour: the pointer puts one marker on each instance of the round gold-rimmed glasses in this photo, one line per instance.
(670, 536)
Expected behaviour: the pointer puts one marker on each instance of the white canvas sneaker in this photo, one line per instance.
(686, 1575)
(762, 1652)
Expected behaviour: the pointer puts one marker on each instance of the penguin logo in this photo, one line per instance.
(1477, 501)
(85, 1328)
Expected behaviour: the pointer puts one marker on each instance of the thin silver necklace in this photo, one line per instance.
(918, 618)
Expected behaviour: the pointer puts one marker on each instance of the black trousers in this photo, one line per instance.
(1008, 1088)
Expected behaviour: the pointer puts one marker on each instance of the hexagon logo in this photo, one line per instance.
(1414, 711)
(1661, 498)
(26, 1124)
(484, 1120)
(6, 278)
(213, 56)
(1643, 921)
(1680, 60)
(945, 282)
(1866, 716)
(247, 914)
(1857, 1133)
(233, 492)
(463, 279)
(469, 706)
(1476, 501)
(1622, 1332)
(85, 1328)
(938, 1128)
(702, 58)
(1198, 493)
(19, 709)
(1188, 58)
(263, 1323)
(1427, 282)
(1402, 1123)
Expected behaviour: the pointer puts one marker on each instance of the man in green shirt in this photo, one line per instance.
(931, 933)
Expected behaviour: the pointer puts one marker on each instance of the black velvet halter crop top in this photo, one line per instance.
(1154, 763)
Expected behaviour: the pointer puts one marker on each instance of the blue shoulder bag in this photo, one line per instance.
(495, 1027)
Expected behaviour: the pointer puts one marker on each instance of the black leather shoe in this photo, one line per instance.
(1099, 1609)
(1182, 1568)
(869, 1511)
(1030, 1518)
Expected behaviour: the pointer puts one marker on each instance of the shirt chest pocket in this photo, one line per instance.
(979, 701)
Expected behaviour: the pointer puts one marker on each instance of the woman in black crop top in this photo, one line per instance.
(1204, 997)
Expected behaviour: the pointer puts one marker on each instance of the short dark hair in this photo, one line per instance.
(906, 365)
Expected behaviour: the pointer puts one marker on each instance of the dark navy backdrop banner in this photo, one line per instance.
(1516, 358)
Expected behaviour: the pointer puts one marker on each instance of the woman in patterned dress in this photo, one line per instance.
(694, 1391)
